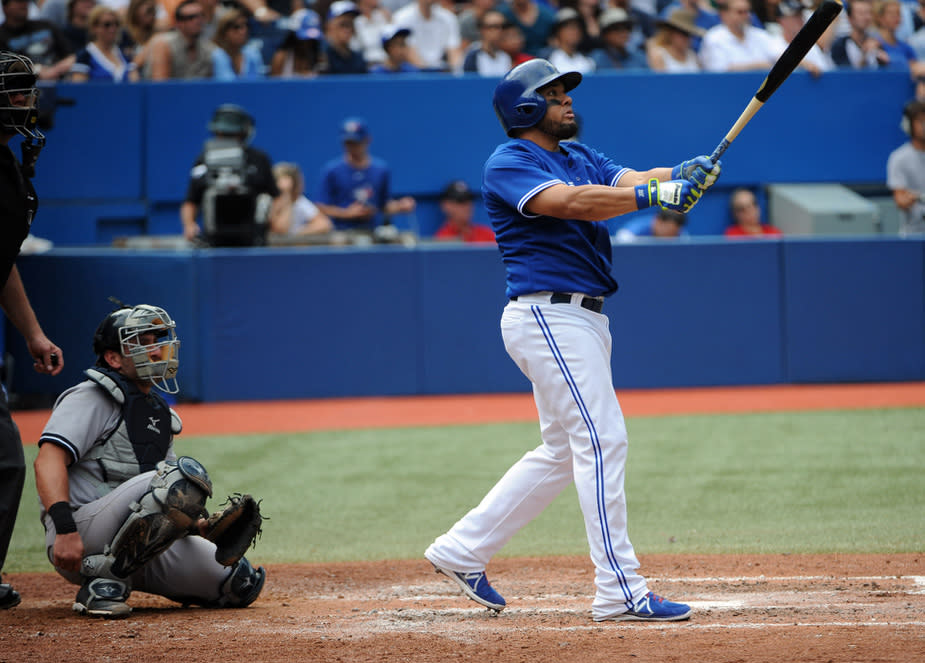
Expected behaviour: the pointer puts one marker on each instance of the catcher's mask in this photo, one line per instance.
(19, 96)
(146, 335)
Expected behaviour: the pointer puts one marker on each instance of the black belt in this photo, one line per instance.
(589, 303)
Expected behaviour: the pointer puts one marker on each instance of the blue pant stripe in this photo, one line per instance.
(595, 443)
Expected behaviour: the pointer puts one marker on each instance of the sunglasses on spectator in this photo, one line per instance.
(189, 17)
(237, 26)
(493, 26)
(108, 24)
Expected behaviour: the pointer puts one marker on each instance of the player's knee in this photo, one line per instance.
(243, 586)
(169, 510)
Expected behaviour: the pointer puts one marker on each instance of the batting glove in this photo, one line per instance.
(699, 170)
(676, 195)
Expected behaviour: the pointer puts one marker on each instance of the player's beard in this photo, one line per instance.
(560, 130)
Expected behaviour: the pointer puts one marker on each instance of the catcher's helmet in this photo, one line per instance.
(156, 361)
(517, 103)
(17, 80)
(232, 120)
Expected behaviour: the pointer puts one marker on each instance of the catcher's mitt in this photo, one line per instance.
(234, 528)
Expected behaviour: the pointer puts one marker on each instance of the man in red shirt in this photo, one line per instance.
(747, 217)
(456, 204)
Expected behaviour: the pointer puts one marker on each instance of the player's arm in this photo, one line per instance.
(592, 202)
(53, 488)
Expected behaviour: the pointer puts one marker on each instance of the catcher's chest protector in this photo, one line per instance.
(143, 436)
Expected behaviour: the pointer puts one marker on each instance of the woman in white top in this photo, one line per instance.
(292, 213)
(670, 50)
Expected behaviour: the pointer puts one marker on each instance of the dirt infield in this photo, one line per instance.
(812, 609)
(807, 608)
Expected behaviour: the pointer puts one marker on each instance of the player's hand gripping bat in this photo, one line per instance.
(803, 41)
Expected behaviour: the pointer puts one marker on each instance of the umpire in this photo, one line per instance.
(18, 203)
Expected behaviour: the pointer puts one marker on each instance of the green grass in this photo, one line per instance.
(837, 481)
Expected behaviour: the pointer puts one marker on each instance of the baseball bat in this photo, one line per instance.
(792, 56)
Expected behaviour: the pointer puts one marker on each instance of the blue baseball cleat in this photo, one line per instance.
(476, 587)
(652, 608)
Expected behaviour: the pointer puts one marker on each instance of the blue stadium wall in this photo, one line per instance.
(314, 323)
(330, 322)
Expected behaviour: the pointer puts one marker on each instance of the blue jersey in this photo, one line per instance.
(543, 253)
(342, 185)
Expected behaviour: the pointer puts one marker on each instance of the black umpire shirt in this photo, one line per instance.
(18, 204)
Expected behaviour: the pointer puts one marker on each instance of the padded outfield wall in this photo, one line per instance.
(314, 323)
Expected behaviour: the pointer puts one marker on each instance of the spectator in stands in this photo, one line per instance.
(102, 59)
(485, 56)
(140, 26)
(233, 58)
(397, 52)
(512, 43)
(643, 24)
(664, 224)
(859, 49)
(355, 189)
(566, 36)
(535, 20)
(456, 203)
(671, 50)
(590, 12)
(339, 57)
(43, 42)
(905, 171)
(917, 38)
(470, 19)
(77, 27)
(746, 216)
(735, 44)
(616, 28)
(229, 184)
(791, 20)
(369, 25)
(705, 17)
(292, 214)
(54, 11)
(181, 53)
(887, 17)
(299, 55)
(434, 34)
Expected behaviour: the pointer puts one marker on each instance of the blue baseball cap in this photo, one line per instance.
(354, 129)
(342, 7)
(306, 25)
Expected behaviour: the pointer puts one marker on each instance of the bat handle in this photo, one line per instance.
(718, 152)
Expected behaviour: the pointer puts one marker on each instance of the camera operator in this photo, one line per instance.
(231, 185)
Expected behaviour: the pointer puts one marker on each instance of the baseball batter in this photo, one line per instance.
(546, 197)
(118, 505)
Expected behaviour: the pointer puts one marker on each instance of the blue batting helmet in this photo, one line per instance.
(517, 103)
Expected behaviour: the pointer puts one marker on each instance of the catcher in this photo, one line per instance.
(121, 510)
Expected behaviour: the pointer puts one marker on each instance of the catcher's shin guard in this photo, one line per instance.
(243, 585)
(174, 502)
